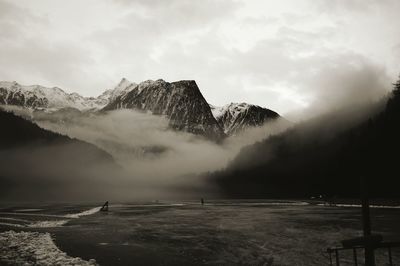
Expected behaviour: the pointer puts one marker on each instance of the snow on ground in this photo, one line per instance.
(84, 213)
(28, 210)
(359, 206)
(47, 224)
(60, 221)
(13, 225)
(33, 248)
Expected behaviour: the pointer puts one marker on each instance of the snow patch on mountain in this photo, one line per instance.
(236, 117)
(36, 96)
(39, 97)
(123, 87)
(234, 109)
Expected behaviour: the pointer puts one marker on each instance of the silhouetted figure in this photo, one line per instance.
(333, 201)
(202, 201)
(105, 207)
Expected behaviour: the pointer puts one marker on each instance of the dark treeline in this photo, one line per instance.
(39, 164)
(17, 132)
(317, 160)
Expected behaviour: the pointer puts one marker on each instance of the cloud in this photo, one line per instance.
(14, 20)
(354, 5)
(262, 52)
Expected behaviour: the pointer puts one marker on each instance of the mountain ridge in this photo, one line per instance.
(186, 108)
(236, 117)
(181, 102)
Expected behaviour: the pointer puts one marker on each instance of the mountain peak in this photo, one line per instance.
(235, 117)
(123, 81)
(186, 81)
(181, 102)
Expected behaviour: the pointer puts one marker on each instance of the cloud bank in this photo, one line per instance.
(277, 55)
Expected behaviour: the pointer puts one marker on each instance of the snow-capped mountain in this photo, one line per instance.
(181, 102)
(123, 87)
(236, 117)
(39, 97)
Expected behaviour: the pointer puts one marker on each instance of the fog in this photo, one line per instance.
(153, 161)
(156, 162)
(144, 145)
(347, 83)
(67, 171)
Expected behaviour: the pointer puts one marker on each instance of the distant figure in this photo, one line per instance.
(333, 201)
(202, 201)
(105, 207)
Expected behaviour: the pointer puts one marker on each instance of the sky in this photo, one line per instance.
(285, 55)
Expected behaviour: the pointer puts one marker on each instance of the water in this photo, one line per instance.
(186, 233)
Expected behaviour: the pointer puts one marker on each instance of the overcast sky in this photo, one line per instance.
(284, 55)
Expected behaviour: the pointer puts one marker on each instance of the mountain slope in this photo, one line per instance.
(236, 117)
(181, 102)
(43, 164)
(18, 132)
(321, 159)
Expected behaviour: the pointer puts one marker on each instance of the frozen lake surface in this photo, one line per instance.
(186, 233)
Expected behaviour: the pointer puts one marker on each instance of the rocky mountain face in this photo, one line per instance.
(236, 117)
(181, 102)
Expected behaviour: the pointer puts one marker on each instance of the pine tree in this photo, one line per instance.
(396, 88)
(393, 104)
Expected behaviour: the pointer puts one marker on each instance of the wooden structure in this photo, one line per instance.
(368, 241)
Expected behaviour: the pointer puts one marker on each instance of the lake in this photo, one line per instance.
(223, 232)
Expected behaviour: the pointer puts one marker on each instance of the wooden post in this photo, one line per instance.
(330, 257)
(390, 256)
(337, 257)
(366, 219)
(355, 257)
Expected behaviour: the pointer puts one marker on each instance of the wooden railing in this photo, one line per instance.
(382, 245)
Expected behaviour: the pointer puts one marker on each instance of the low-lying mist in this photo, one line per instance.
(144, 145)
(155, 161)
